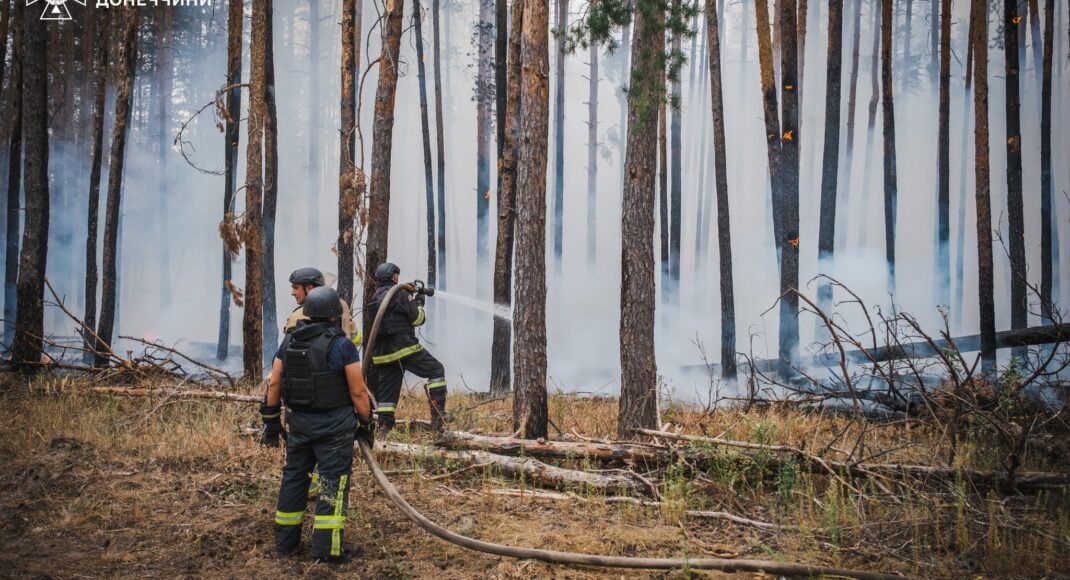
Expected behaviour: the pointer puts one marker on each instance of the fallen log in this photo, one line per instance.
(529, 469)
(177, 394)
(542, 448)
(1036, 480)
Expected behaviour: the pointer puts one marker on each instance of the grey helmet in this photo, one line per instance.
(307, 277)
(385, 272)
(322, 302)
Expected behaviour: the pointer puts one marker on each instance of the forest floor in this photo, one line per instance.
(95, 486)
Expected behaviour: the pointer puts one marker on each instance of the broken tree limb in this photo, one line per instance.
(542, 448)
(529, 469)
(979, 477)
(177, 394)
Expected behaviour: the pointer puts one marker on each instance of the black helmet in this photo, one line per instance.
(307, 277)
(322, 302)
(385, 272)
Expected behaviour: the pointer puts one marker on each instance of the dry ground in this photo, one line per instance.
(95, 486)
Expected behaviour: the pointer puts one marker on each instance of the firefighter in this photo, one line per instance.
(304, 280)
(316, 374)
(397, 350)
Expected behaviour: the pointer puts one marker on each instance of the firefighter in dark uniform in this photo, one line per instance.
(317, 375)
(397, 350)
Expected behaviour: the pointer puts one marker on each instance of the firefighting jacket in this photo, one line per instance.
(397, 331)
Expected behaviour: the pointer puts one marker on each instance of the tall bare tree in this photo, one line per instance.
(985, 279)
(663, 195)
(943, 198)
(485, 99)
(425, 129)
(1047, 224)
(789, 206)
(440, 143)
(271, 189)
(724, 230)
(348, 196)
(874, 100)
(382, 144)
(561, 28)
(1015, 209)
(14, 176)
(529, 315)
(252, 230)
(500, 363)
(890, 177)
(852, 109)
(100, 83)
(771, 113)
(116, 158)
(960, 236)
(830, 170)
(638, 384)
(29, 320)
(235, 20)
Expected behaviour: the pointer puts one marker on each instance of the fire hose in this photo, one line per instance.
(574, 558)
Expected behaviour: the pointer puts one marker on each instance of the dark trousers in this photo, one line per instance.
(334, 455)
(387, 378)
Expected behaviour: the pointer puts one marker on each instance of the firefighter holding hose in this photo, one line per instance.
(397, 349)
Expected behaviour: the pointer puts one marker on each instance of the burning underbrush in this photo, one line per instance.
(103, 485)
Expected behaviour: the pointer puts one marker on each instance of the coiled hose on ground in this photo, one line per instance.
(573, 558)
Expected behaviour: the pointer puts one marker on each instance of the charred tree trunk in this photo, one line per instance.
(500, 363)
(440, 143)
(314, 165)
(943, 198)
(831, 156)
(638, 386)
(671, 293)
(874, 100)
(789, 151)
(382, 144)
(559, 134)
(29, 320)
(271, 188)
(425, 129)
(724, 230)
(230, 176)
(252, 321)
(165, 86)
(5, 21)
(890, 180)
(529, 316)
(592, 159)
(843, 200)
(1015, 209)
(1047, 223)
(100, 77)
(772, 116)
(663, 197)
(348, 197)
(116, 157)
(14, 178)
(485, 99)
(985, 281)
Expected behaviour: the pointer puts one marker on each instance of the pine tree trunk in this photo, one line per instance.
(5, 20)
(500, 363)
(425, 129)
(440, 142)
(831, 157)
(14, 177)
(271, 189)
(485, 98)
(663, 197)
(529, 315)
(314, 166)
(874, 100)
(252, 319)
(1047, 224)
(843, 201)
(724, 230)
(890, 178)
(100, 82)
(772, 117)
(960, 236)
(165, 86)
(559, 133)
(231, 137)
(382, 144)
(943, 201)
(348, 197)
(671, 293)
(117, 156)
(638, 385)
(985, 281)
(1015, 209)
(789, 207)
(592, 160)
(29, 320)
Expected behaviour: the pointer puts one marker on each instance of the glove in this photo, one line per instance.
(273, 433)
(365, 431)
(420, 299)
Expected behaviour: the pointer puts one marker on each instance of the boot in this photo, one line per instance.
(437, 402)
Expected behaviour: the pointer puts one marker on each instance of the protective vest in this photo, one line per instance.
(307, 384)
